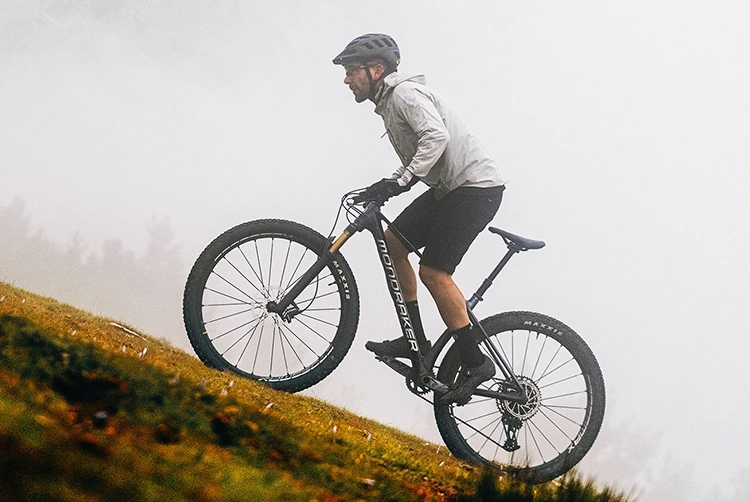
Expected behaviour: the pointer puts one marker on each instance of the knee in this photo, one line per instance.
(432, 277)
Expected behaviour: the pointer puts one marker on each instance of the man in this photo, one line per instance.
(465, 193)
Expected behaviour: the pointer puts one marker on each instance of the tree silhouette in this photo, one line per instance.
(144, 291)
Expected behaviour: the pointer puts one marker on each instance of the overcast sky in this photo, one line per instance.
(622, 127)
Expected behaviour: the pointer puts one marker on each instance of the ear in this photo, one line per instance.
(377, 70)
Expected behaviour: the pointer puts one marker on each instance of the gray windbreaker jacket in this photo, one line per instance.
(430, 139)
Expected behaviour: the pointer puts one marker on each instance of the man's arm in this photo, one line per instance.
(433, 137)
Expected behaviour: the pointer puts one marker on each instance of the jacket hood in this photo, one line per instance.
(394, 79)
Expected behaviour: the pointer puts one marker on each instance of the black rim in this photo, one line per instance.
(547, 428)
(244, 278)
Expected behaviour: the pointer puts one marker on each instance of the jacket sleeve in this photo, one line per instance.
(432, 135)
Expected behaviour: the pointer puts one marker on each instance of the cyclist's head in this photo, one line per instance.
(369, 47)
(367, 60)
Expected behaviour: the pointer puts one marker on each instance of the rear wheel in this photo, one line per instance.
(543, 438)
(232, 282)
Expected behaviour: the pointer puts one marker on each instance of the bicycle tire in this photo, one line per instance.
(224, 305)
(560, 422)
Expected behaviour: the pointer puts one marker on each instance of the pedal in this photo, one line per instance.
(434, 384)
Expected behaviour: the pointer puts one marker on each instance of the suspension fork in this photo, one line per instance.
(285, 306)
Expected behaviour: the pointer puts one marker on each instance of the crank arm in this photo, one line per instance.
(404, 369)
(396, 365)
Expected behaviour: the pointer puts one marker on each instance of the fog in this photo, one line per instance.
(133, 133)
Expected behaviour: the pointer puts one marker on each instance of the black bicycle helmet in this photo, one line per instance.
(368, 47)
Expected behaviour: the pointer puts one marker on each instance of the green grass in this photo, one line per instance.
(92, 411)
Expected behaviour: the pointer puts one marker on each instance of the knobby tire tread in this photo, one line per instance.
(194, 287)
(585, 358)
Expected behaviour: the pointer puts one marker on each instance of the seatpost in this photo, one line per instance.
(477, 296)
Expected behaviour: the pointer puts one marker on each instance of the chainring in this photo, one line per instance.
(416, 388)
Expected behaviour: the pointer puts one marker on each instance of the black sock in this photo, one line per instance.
(471, 356)
(416, 322)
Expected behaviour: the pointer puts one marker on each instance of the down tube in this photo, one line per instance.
(394, 286)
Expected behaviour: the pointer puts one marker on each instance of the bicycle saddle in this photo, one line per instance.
(522, 243)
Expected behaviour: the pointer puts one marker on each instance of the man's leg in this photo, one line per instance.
(408, 281)
(449, 300)
(452, 307)
(404, 271)
(476, 367)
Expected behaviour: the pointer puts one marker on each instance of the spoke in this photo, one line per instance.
(499, 346)
(232, 284)
(525, 352)
(286, 260)
(257, 350)
(539, 358)
(302, 341)
(550, 362)
(260, 268)
(283, 352)
(235, 304)
(240, 339)
(565, 395)
(560, 415)
(242, 252)
(560, 366)
(300, 302)
(242, 274)
(254, 301)
(270, 262)
(477, 431)
(302, 314)
(308, 327)
(545, 437)
(563, 407)
(487, 438)
(281, 332)
(244, 349)
(560, 381)
(273, 347)
(291, 277)
(229, 315)
(329, 309)
(482, 416)
(557, 426)
(533, 438)
(257, 321)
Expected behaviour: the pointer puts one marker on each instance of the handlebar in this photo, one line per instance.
(364, 196)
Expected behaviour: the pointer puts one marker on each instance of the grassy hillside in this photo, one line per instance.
(90, 409)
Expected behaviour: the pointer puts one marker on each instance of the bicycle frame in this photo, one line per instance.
(372, 219)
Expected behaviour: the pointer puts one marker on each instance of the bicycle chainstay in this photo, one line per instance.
(422, 382)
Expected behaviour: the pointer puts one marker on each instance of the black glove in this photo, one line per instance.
(387, 187)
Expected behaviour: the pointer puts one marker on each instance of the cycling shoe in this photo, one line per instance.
(467, 382)
(395, 348)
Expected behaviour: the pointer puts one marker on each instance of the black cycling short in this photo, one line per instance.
(446, 228)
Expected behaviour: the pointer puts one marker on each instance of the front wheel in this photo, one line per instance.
(233, 281)
(545, 437)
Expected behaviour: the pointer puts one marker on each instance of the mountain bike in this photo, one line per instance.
(275, 301)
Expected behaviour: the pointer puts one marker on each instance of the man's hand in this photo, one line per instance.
(387, 187)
